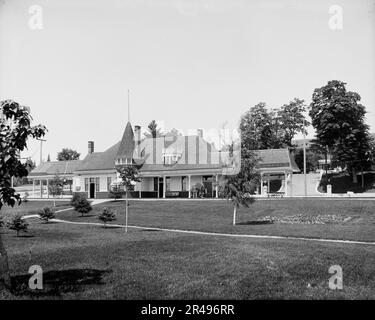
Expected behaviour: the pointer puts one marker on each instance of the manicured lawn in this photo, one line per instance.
(90, 262)
(216, 216)
(31, 207)
(342, 183)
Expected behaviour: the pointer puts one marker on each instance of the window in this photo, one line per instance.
(86, 184)
(109, 181)
(183, 183)
(167, 184)
(97, 184)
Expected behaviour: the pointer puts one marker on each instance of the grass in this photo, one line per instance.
(216, 216)
(90, 262)
(342, 183)
(32, 207)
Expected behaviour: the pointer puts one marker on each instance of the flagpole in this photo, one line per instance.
(128, 105)
(304, 158)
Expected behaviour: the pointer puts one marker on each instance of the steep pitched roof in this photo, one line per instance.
(126, 147)
(276, 158)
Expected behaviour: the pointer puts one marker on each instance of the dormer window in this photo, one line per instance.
(171, 158)
(120, 161)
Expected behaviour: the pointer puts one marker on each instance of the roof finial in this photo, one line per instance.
(128, 105)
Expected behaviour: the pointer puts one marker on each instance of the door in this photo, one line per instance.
(207, 184)
(92, 190)
(161, 187)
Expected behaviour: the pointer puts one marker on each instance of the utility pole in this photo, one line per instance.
(304, 157)
(41, 148)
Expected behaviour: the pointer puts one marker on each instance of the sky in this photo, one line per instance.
(190, 64)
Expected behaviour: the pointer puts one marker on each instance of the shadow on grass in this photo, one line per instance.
(254, 222)
(56, 282)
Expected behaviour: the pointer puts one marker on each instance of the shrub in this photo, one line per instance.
(80, 203)
(107, 215)
(116, 192)
(46, 214)
(197, 190)
(25, 197)
(1, 221)
(18, 224)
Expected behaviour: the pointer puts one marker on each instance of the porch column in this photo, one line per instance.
(189, 185)
(268, 184)
(291, 184)
(140, 189)
(41, 188)
(158, 187)
(261, 184)
(216, 186)
(33, 188)
(286, 183)
(47, 188)
(164, 186)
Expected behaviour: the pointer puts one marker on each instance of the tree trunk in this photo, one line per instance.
(4, 267)
(363, 179)
(326, 165)
(354, 174)
(234, 214)
(126, 211)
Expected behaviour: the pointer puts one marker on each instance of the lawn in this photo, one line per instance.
(342, 183)
(90, 262)
(32, 207)
(216, 216)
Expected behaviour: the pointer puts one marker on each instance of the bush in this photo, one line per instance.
(80, 203)
(116, 192)
(46, 214)
(25, 197)
(1, 221)
(18, 224)
(197, 190)
(107, 215)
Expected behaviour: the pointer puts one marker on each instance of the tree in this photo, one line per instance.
(339, 121)
(107, 215)
(240, 187)
(154, 131)
(15, 130)
(80, 203)
(46, 214)
(48, 158)
(256, 128)
(56, 187)
(18, 224)
(292, 120)
(129, 176)
(67, 154)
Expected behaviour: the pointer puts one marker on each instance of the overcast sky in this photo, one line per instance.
(192, 64)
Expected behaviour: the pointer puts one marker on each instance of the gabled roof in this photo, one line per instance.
(276, 159)
(193, 153)
(56, 167)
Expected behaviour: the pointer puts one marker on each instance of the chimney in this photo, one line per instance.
(91, 147)
(137, 133)
(200, 133)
